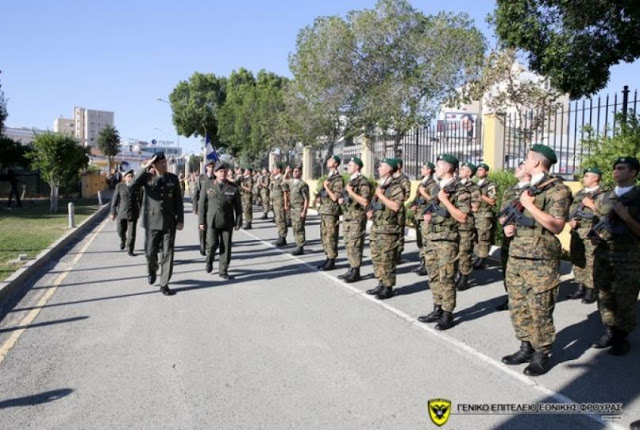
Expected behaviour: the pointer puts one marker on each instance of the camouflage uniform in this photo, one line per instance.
(485, 218)
(385, 234)
(617, 263)
(429, 248)
(355, 221)
(278, 188)
(509, 195)
(405, 183)
(264, 190)
(247, 199)
(582, 250)
(443, 234)
(418, 219)
(467, 231)
(298, 193)
(330, 212)
(532, 270)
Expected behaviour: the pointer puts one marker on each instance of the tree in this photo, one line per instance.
(235, 119)
(194, 162)
(13, 153)
(109, 143)
(573, 43)
(196, 105)
(59, 158)
(3, 109)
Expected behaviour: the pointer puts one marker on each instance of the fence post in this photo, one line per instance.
(368, 156)
(307, 164)
(493, 141)
(625, 103)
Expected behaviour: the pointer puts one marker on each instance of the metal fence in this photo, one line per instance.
(567, 130)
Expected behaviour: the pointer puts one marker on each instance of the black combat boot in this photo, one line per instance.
(299, 251)
(246, 226)
(321, 266)
(433, 316)
(421, 268)
(354, 276)
(539, 364)
(203, 251)
(579, 293)
(590, 296)
(208, 267)
(457, 277)
(330, 265)
(346, 274)
(122, 245)
(151, 278)
(523, 355)
(479, 263)
(386, 293)
(167, 291)
(264, 216)
(445, 322)
(376, 290)
(463, 283)
(281, 242)
(605, 340)
(504, 305)
(619, 343)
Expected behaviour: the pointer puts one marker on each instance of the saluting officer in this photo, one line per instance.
(484, 217)
(125, 207)
(298, 204)
(163, 215)
(419, 203)
(219, 212)
(330, 213)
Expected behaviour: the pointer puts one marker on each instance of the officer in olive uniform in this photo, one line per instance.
(197, 194)
(484, 217)
(534, 259)
(163, 215)
(405, 183)
(581, 251)
(467, 230)
(219, 212)
(354, 200)
(329, 211)
(298, 204)
(125, 205)
(617, 261)
(246, 191)
(280, 203)
(452, 206)
(419, 203)
(387, 212)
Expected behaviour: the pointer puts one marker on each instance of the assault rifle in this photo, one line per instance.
(605, 222)
(579, 210)
(434, 204)
(374, 204)
(513, 211)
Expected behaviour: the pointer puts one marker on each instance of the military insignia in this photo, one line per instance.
(170, 195)
(439, 411)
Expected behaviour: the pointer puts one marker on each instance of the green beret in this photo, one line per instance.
(336, 159)
(392, 162)
(357, 160)
(280, 166)
(631, 161)
(483, 166)
(471, 167)
(430, 165)
(593, 170)
(546, 151)
(449, 158)
(400, 163)
(249, 168)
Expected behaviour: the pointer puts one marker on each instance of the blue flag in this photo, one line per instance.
(212, 155)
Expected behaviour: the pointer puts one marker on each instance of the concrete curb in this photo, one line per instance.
(20, 277)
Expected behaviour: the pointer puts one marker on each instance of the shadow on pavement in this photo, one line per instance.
(36, 399)
(43, 324)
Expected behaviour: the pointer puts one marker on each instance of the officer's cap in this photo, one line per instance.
(449, 158)
(280, 166)
(392, 162)
(471, 167)
(483, 166)
(129, 172)
(631, 161)
(400, 162)
(158, 156)
(549, 153)
(220, 165)
(336, 159)
(595, 170)
(430, 165)
(357, 161)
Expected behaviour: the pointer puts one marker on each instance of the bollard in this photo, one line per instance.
(100, 198)
(72, 219)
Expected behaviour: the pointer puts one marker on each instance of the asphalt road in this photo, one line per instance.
(282, 346)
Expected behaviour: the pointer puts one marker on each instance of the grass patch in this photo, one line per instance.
(30, 229)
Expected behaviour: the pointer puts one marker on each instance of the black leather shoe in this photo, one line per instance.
(281, 242)
(354, 276)
(167, 291)
(151, 278)
(376, 290)
(203, 252)
(246, 226)
(226, 276)
(331, 264)
(386, 293)
(463, 283)
(121, 246)
(299, 251)
(433, 316)
(345, 274)
(131, 253)
(539, 364)
(605, 340)
(523, 355)
(619, 343)
(590, 296)
(579, 293)
(445, 322)
(321, 266)
(504, 305)
(209, 267)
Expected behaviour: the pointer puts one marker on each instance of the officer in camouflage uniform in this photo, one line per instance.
(299, 204)
(280, 203)
(264, 188)
(534, 259)
(419, 203)
(454, 204)
(163, 215)
(467, 230)
(511, 193)
(246, 193)
(581, 249)
(386, 212)
(329, 211)
(357, 193)
(125, 206)
(405, 182)
(617, 257)
(219, 212)
(484, 217)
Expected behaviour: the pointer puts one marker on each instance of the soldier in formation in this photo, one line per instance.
(125, 207)
(405, 183)
(467, 230)
(246, 192)
(422, 199)
(329, 212)
(298, 204)
(280, 203)
(484, 216)
(264, 187)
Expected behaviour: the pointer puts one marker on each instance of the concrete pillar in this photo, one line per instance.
(307, 163)
(187, 168)
(273, 159)
(368, 157)
(493, 141)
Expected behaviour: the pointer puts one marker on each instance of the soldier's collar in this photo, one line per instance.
(537, 178)
(481, 181)
(523, 184)
(591, 189)
(620, 191)
(445, 182)
(464, 180)
(332, 173)
(355, 175)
